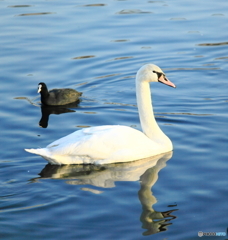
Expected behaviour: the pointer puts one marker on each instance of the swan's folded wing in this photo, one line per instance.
(110, 143)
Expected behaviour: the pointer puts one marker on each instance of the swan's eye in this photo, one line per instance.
(159, 74)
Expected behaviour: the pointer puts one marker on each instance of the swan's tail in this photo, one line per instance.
(39, 151)
(43, 152)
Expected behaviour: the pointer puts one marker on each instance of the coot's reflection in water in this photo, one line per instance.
(145, 171)
(46, 111)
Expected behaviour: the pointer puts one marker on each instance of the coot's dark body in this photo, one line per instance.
(56, 97)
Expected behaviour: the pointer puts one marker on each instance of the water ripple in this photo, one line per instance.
(213, 44)
(35, 14)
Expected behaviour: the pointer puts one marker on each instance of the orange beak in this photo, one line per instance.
(165, 80)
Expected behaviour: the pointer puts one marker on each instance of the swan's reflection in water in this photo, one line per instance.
(46, 111)
(152, 220)
(145, 171)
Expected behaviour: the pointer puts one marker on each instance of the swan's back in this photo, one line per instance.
(100, 145)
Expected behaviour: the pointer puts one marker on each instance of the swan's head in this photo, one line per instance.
(152, 73)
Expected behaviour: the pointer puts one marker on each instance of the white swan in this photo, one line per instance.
(115, 143)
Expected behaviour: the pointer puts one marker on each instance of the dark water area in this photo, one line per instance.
(97, 48)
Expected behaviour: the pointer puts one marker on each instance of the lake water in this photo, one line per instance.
(96, 47)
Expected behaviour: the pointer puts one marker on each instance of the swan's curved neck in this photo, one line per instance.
(146, 114)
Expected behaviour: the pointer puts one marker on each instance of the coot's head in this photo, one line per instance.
(42, 87)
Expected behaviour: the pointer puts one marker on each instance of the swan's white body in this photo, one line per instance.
(115, 143)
